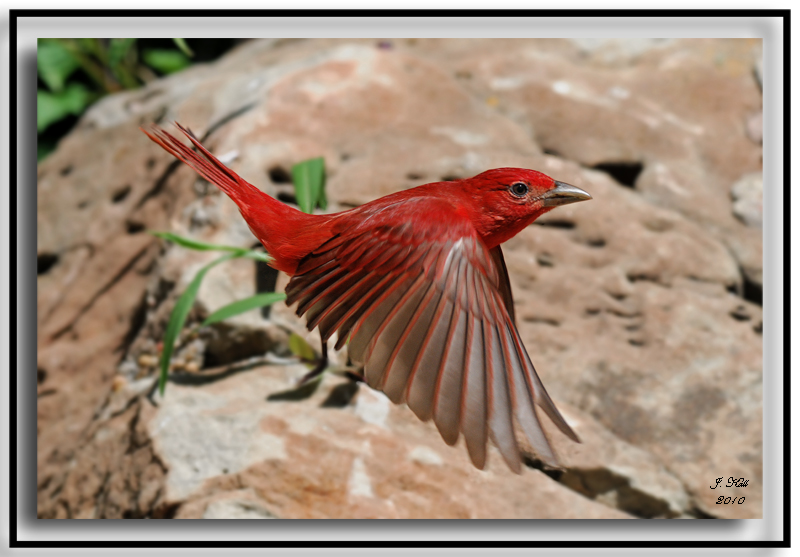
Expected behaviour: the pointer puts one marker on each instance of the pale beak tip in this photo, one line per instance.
(564, 194)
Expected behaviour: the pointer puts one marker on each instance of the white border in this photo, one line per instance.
(769, 29)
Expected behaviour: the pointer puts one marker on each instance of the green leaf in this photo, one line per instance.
(193, 244)
(54, 63)
(92, 46)
(247, 304)
(166, 61)
(204, 246)
(117, 49)
(181, 43)
(122, 62)
(257, 256)
(52, 107)
(301, 348)
(309, 182)
(178, 317)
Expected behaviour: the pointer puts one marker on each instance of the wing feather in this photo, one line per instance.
(428, 367)
(408, 346)
(349, 301)
(501, 426)
(432, 331)
(473, 397)
(524, 411)
(543, 399)
(504, 285)
(326, 301)
(366, 324)
(447, 396)
(386, 340)
(428, 310)
(382, 287)
(325, 286)
(306, 283)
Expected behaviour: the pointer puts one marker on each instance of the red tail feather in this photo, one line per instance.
(209, 167)
(287, 234)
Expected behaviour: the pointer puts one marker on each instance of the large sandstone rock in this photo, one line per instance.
(640, 309)
(325, 457)
(671, 120)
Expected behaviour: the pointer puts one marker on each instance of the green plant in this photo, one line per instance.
(74, 73)
(309, 183)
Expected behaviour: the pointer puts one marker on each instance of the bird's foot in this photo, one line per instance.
(321, 366)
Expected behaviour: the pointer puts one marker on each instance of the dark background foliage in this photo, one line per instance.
(74, 73)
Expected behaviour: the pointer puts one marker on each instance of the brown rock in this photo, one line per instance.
(308, 459)
(607, 469)
(668, 118)
(747, 195)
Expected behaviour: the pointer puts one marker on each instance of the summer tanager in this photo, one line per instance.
(417, 283)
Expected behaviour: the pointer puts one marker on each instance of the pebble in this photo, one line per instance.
(118, 383)
(747, 196)
(147, 360)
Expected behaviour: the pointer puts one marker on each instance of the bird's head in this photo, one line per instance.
(509, 199)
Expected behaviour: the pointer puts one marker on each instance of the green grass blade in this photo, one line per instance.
(181, 43)
(193, 244)
(309, 177)
(178, 317)
(241, 306)
(204, 246)
(257, 255)
(117, 50)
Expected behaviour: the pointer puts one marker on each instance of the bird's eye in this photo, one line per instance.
(519, 189)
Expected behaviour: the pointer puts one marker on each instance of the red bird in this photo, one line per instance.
(417, 283)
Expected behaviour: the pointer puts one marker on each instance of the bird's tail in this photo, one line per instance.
(269, 219)
(208, 166)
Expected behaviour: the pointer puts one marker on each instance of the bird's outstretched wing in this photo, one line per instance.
(427, 309)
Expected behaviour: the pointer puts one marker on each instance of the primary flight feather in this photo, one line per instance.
(416, 283)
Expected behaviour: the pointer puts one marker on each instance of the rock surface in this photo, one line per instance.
(640, 309)
(326, 457)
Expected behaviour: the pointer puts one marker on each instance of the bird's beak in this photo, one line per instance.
(563, 194)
